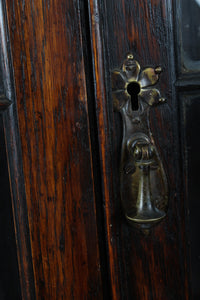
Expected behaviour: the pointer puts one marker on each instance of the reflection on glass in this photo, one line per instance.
(191, 29)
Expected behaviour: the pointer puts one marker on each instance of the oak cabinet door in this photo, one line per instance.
(64, 140)
(156, 33)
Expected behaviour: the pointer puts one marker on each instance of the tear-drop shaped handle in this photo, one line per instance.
(143, 182)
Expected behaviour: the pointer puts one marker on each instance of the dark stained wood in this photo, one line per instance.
(153, 266)
(56, 153)
(57, 196)
(105, 143)
(15, 173)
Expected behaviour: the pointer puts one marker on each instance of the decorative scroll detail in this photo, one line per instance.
(144, 190)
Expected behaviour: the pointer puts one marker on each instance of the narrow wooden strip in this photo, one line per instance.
(104, 143)
(56, 152)
(14, 162)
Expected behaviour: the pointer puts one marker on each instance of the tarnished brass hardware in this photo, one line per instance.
(144, 191)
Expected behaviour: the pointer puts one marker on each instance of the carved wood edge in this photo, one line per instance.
(14, 160)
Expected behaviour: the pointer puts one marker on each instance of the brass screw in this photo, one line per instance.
(158, 70)
(130, 56)
(162, 100)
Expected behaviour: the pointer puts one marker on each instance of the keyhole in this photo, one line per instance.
(133, 88)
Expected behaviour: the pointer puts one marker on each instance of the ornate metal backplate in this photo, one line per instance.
(144, 191)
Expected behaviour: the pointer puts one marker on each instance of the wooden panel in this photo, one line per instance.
(152, 266)
(16, 191)
(54, 129)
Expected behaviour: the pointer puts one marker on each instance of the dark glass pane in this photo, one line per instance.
(193, 160)
(9, 277)
(191, 29)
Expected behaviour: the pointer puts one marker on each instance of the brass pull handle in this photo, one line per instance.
(143, 182)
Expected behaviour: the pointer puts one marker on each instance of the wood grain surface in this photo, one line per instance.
(52, 111)
(60, 172)
(15, 196)
(152, 266)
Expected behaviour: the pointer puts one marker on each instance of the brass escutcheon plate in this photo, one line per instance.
(143, 181)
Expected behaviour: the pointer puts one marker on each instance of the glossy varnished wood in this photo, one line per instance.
(22, 239)
(152, 266)
(56, 153)
(105, 143)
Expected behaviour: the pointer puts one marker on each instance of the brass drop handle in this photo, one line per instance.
(143, 182)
